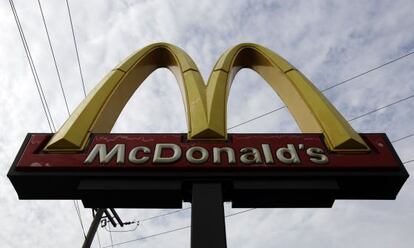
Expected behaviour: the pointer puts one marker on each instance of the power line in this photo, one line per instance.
(76, 206)
(380, 108)
(79, 216)
(39, 87)
(54, 58)
(123, 231)
(76, 48)
(110, 235)
(99, 239)
(352, 119)
(402, 138)
(330, 87)
(409, 161)
(257, 117)
(149, 236)
(173, 230)
(368, 71)
(162, 215)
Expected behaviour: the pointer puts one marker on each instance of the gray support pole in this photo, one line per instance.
(93, 228)
(207, 216)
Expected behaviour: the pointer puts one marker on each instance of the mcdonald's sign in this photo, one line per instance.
(328, 161)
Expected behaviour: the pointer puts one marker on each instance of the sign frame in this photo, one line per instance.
(166, 188)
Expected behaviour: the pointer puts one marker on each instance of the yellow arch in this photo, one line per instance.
(206, 106)
(310, 108)
(100, 109)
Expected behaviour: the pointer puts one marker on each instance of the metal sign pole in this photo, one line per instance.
(207, 216)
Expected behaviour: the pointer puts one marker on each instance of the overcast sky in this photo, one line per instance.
(329, 41)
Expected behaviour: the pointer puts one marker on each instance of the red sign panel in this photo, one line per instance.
(108, 152)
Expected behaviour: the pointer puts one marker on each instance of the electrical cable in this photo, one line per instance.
(110, 235)
(330, 87)
(82, 80)
(380, 108)
(174, 230)
(409, 161)
(54, 58)
(124, 231)
(38, 84)
(162, 215)
(99, 239)
(402, 138)
(77, 209)
(352, 119)
(39, 87)
(76, 48)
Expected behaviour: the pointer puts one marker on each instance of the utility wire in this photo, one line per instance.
(54, 57)
(368, 71)
(174, 230)
(39, 87)
(99, 239)
(352, 119)
(380, 108)
(38, 84)
(150, 218)
(123, 231)
(76, 48)
(79, 216)
(402, 138)
(162, 215)
(76, 204)
(330, 87)
(110, 235)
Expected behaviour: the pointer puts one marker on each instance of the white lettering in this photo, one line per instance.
(267, 154)
(317, 155)
(190, 155)
(165, 160)
(104, 157)
(133, 155)
(293, 155)
(217, 155)
(250, 152)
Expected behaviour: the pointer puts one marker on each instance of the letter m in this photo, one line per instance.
(105, 157)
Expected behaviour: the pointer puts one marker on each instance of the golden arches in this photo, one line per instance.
(205, 105)
(100, 109)
(310, 108)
